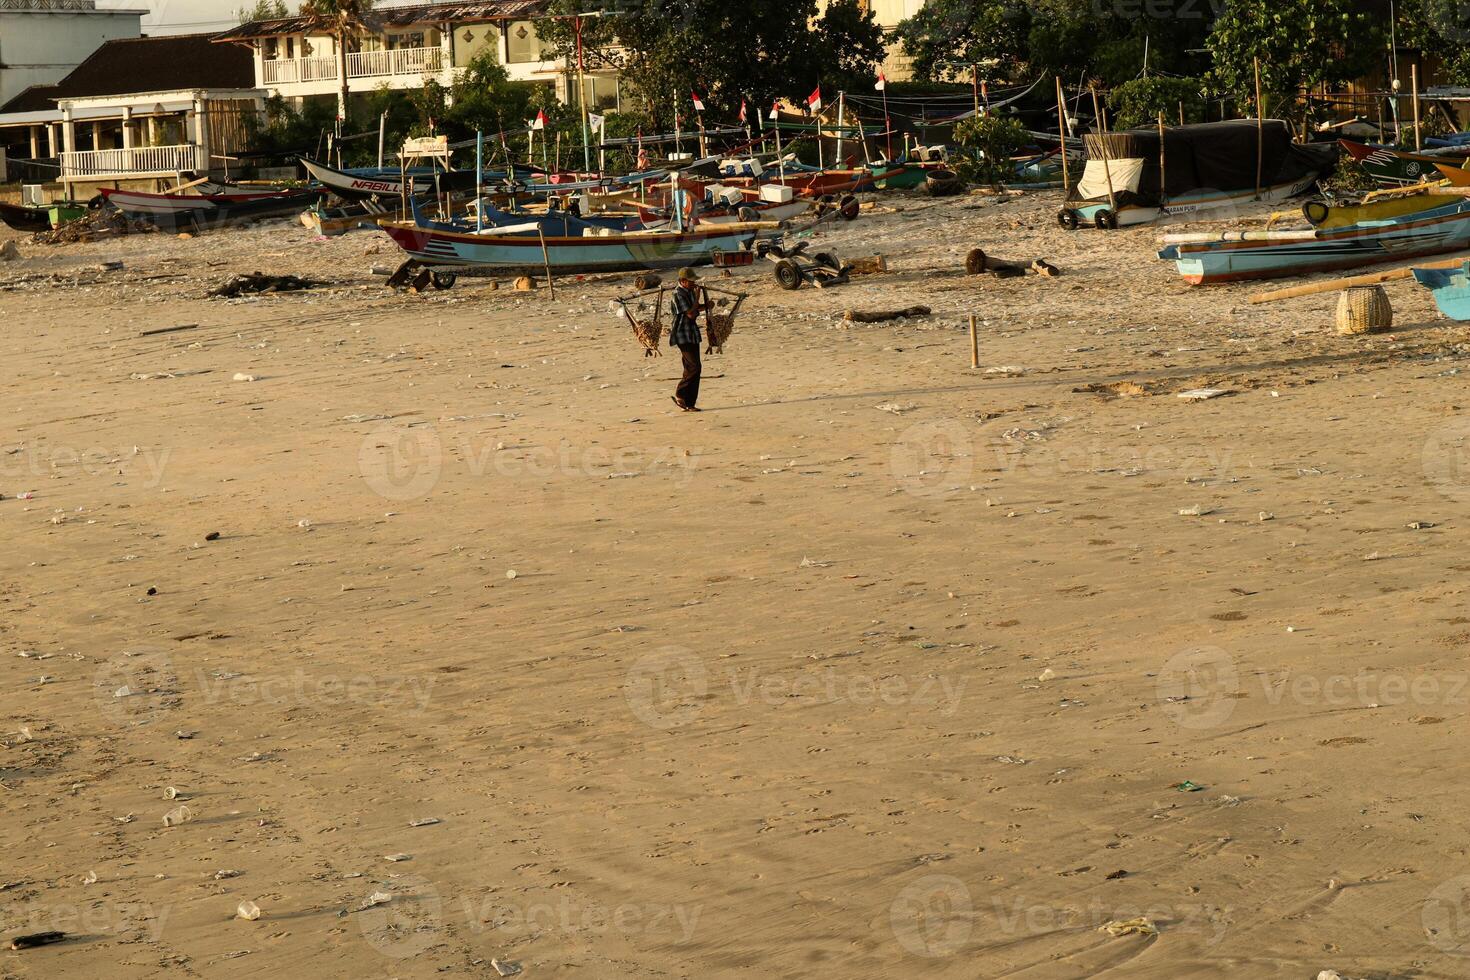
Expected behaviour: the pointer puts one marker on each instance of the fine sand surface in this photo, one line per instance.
(879, 667)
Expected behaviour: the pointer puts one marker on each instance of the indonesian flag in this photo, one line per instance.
(882, 81)
(814, 101)
(698, 102)
(742, 110)
(540, 121)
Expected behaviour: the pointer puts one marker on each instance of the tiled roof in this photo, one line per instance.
(469, 11)
(144, 64)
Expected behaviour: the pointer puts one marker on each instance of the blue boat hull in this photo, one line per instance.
(1450, 289)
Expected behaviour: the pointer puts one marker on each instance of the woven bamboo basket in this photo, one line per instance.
(1363, 309)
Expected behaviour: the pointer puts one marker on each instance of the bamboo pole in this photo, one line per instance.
(974, 344)
(1102, 143)
(1369, 279)
(1260, 129)
(1163, 174)
(546, 262)
(1062, 132)
(1414, 81)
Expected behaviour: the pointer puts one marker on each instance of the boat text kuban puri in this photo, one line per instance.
(1130, 179)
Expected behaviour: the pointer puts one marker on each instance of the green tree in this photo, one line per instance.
(263, 10)
(726, 52)
(1139, 102)
(847, 47)
(1300, 44)
(343, 20)
(986, 145)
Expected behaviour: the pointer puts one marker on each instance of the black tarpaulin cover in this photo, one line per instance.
(1216, 156)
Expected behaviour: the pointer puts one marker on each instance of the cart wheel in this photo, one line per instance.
(747, 214)
(1067, 218)
(716, 257)
(444, 280)
(788, 274)
(975, 262)
(828, 259)
(849, 209)
(1105, 219)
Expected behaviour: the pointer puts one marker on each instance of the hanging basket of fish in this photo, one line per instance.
(719, 321)
(646, 318)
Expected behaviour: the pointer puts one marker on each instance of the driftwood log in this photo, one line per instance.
(867, 266)
(878, 316)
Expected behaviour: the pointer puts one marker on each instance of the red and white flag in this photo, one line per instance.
(882, 81)
(742, 110)
(698, 102)
(540, 121)
(814, 101)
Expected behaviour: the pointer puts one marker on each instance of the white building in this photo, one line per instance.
(42, 40)
(404, 47)
(137, 110)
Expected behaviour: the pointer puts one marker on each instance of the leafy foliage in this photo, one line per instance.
(755, 50)
(1300, 44)
(987, 144)
(1139, 102)
(263, 10)
(1072, 38)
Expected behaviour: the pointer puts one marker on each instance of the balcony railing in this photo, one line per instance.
(137, 160)
(411, 62)
(398, 61)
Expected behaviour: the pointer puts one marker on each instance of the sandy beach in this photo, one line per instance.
(448, 642)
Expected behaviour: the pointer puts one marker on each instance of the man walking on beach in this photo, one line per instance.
(689, 302)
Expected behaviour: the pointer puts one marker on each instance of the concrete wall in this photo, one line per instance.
(41, 47)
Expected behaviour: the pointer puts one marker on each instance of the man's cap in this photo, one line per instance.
(687, 273)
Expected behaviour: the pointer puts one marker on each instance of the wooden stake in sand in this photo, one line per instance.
(1061, 133)
(1414, 83)
(1102, 142)
(1260, 130)
(974, 344)
(546, 261)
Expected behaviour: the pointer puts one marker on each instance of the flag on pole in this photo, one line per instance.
(698, 102)
(742, 110)
(540, 121)
(882, 81)
(814, 101)
(596, 122)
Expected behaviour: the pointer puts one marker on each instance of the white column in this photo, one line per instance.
(152, 130)
(127, 127)
(68, 145)
(201, 132)
(35, 132)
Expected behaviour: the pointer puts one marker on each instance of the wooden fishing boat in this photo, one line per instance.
(25, 219)
(1267, 255)
(212, 202)
(359, 185)
(1204, 167)
(520, 247)
(1395, 168)
(331, 222)
(1322, 215)
(1456, 174)
(1450, 289)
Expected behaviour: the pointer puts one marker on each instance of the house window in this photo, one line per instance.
(271, 49)
(524, 44)
(414, 39)
(601, 92)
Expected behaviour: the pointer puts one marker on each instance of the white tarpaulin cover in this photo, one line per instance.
(1094, 183)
